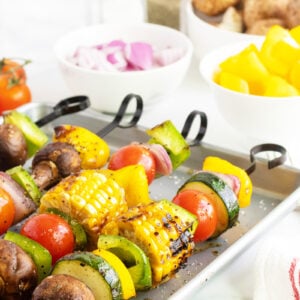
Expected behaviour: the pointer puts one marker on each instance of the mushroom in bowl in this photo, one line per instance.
(209, 32)
(260, 98)
(150, 60)
(213, 23)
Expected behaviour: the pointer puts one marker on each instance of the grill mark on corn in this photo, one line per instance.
(181, 243)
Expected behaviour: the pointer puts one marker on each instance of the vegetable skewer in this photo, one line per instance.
(124, 224)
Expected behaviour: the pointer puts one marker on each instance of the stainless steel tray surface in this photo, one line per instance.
(276, 192)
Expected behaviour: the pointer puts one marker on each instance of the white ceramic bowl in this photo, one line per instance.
(107, 89)
(204, 36)
(264, 119)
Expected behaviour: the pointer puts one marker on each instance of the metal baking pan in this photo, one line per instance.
(276, 192)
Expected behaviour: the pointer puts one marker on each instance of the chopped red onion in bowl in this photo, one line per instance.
(139, 55)
(118, 56)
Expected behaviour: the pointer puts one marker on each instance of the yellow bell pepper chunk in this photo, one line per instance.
(275, 66)
(272, 57)
(294, 75)
(248, 66)
(233, 82)
(287, 50)
(127, 285)
(279, 87)
(275, 34)
(133, 180)
(273, 70)
(216, 164)
(94, 151)
(295, 33)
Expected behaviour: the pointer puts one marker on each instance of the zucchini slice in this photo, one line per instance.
(225, 199)
(128, 289)
(94, 271)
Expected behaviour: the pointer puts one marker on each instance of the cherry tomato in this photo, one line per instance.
(132, 155)
(200, 205)
(52, 232)
(13, 97)
(7, 211)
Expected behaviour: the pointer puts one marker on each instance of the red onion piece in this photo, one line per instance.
(139, 55)
(24, 206)
(232, 181)
(168, 56)
(116, 43)
(162, 159)
(117, 59)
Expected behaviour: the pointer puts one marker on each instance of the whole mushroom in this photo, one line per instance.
(18, 272)
(293, 15)
(13, 147)
(53, 162)
(259, 16)
(62, 287)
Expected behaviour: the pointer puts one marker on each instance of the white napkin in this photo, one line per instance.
(277, 269)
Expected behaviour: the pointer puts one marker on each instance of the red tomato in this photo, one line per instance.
(7, 211)
(13, 89)
(132, 155)
(200, 205)
(13, 97)
(51, 231)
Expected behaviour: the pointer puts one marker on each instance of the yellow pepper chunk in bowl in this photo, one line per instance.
(271, 68)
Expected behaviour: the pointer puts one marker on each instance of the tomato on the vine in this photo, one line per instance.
(13, 97)
(202, 206)
(14, 91)
(7, 211)
(52, 232)
(134, 154)
(13, 69)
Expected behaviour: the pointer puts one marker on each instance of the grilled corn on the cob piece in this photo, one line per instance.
(94, 151)
(89, 197)
(164, 231)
